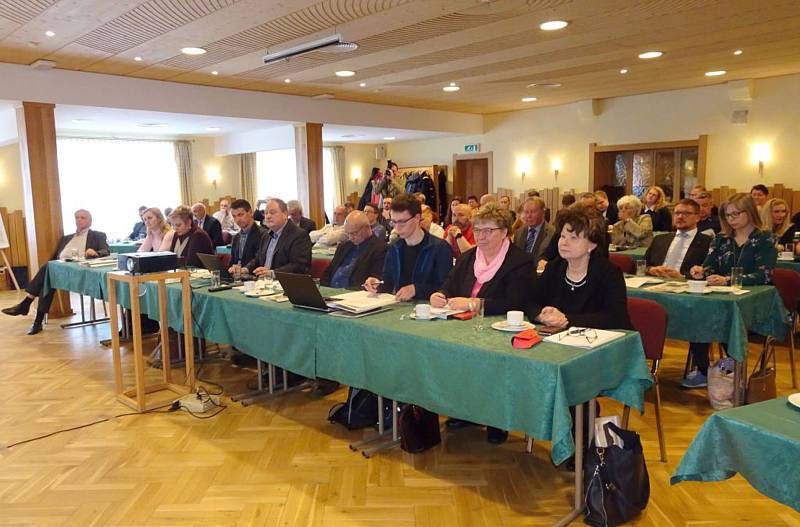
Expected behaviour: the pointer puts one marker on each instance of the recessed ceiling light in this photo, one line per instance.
(650, 54)
(623, 71)
(152, 125)
(345, 73)
(193, 51)
(529, 99)
(137, 59)
(213, 128)
(363, 84)
(215, 72)
(287, 81)
(451, 87)
(737, 52)
(545, 85)
(553, 25)
(391, 138)
(49, 33)
(81, 121)
(715, 73)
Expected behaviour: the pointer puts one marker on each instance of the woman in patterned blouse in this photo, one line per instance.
(742, 243)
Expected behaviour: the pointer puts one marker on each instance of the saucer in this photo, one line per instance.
(414, 316)
(795, 399)
(504, 326)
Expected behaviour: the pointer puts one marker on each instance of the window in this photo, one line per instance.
(276, 174)
(112, 178)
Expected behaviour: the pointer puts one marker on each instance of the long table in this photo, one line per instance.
(760, 441)
(441, 365)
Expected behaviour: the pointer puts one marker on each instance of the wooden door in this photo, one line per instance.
(471, 177)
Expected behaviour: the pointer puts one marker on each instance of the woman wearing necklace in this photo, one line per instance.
(742, 243)
(580, 287)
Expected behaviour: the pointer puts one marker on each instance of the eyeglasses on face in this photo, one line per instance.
(733, 214)
(402, 223)
(684, 213)
(486, 231)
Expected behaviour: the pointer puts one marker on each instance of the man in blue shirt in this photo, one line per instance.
(360, 257)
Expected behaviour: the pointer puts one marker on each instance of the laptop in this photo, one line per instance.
(213, 263)
(302, 291)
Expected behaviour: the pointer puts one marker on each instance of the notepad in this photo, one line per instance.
(581, 341)
(635, 282)
(361, 301)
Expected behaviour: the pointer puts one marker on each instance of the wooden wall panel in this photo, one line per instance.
(316, 202)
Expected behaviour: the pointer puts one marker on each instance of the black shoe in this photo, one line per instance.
(456, 424)
(35, 328)
(496, 436)
(20, 309)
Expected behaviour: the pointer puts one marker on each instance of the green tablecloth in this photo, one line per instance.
(124, 247)
(759, 441)
(71, 276)
(795, 266)
(442, 365)
(722, 317)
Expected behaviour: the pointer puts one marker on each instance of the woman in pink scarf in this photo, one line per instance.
(497, 271)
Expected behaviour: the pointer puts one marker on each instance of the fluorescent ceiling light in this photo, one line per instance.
(545, 85)
(715, 73)
(49, 33)
(737, 52)
(391, 138)
(363, 84)
(193, 51)
(332, 43)
(137, 59)
(451, 87)
(650, 54)
(623, 71)
(213, 128)
(215, 72)
(287, 81)
(152, 125)
(529, 99)
(553, 25)
(345, 73)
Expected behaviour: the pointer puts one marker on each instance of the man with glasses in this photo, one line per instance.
(416, 263)
(358, 258)
(671, 255)
(286, 247)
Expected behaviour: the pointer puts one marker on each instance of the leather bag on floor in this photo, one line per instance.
(419, 429)
(761, 385)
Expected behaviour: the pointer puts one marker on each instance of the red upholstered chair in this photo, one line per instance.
(227, 238)
(649, 318)
(225, 258)
(318, 266)
(788, 283)
(624, 262)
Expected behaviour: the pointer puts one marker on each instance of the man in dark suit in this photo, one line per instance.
(708, 219)
(296, 215)
(360, 257)
(246, 242)
(84, 243)
(208, 223)
(535, 234)
(286, 247)
(608, 210)
(671, 255)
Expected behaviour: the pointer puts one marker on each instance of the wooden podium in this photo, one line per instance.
(136, 397)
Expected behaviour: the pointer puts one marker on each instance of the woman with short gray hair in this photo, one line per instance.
(633, 229)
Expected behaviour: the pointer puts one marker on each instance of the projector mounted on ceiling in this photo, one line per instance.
(330, 44)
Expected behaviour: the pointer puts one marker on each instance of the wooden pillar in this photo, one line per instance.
(39, 164)
(308, 154)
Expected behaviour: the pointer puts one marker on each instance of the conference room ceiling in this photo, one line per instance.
(409, 50)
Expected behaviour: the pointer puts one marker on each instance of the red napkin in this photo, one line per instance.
(466, 315)
(526, 339)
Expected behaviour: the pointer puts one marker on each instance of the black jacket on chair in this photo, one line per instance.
(251, 245)
(697, 252)
(213, 228)
(510, 288)
(292, 253)
(369, 262)
(94, 240)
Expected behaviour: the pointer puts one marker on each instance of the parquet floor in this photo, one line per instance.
(280, 463)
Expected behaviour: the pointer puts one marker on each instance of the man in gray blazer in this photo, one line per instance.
(535, 234)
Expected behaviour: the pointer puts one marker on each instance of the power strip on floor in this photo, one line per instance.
(197, 403)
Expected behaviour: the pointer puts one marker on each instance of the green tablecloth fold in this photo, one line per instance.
(759, 441)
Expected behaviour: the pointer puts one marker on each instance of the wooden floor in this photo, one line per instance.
(281, 464)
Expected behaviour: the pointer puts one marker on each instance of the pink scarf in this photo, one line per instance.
(485, 272)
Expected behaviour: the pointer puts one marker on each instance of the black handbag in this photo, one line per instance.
(419, 429)
(617, 485)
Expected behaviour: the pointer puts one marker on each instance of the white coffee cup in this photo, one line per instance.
(515, 318)
(696, 286)
(786, 255)
(422, 311)
(249, 286)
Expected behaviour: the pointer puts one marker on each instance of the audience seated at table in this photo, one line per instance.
(580, 287)
(296, 215)
(374, 217)
(776, 214)
(535, 234)
(459, 234)
(285, 248)
(84, 243)
(655, 206)
(208, 223)
(760, 195)
(495, 270)
(224, 216)
(633, 229)
(139, 229)
(672, 254)
(551, 251)
(709, 213)
(607, 210)
(358, 258)
(159, 233)
(428, 225)
(246, 242)
(331, 234)
(416, 263)
(189, 239)
(742, 243)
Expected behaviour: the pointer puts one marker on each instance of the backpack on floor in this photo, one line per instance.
(360, 410)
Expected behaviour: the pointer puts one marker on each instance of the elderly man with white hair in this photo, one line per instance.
(208, 223)
(296, 215)
(358, 258)
(225, 217)
(331, 234)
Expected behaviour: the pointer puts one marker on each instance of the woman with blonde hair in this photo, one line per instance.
(633, 229)
(776, 214)
(159, 233)
(655, 206)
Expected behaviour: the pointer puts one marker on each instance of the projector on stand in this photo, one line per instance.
(141, 263)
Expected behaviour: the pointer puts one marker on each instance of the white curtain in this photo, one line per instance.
(300, 153)
(339, 176)
(183, 159)
(247, 177)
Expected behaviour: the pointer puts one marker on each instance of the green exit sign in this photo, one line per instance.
(472, 148)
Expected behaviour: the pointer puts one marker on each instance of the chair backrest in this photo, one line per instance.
(318, 266)
(649, 318)
(624, 262)
(227, 238)
(788, 283)
(225, 258)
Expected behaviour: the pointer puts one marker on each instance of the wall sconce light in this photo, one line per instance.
(761, 154)
(355, 173)
(524, 165)
(556, 166)
(214, 184)
(212, 173)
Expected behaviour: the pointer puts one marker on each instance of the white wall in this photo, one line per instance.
(564, 132)
(207, 167)
(277, 138)
(11, 193)
(359, 160)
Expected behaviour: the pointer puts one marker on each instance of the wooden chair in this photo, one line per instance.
(624, 262)
(787, 282)
(649, 318)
